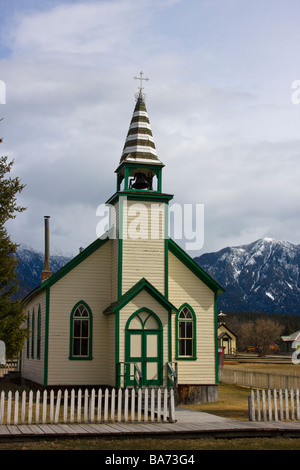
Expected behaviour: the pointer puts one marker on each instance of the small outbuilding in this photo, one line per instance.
(227, 339)
(291, 342)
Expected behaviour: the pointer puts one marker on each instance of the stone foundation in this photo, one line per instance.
(188, 394)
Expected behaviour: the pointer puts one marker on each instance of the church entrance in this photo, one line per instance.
(143, 346)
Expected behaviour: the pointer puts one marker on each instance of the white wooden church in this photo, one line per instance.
(127, 309)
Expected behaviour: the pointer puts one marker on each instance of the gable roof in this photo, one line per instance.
(68, 267)
(142, 285)
(227, 328)
(293, 337)
(194, 267)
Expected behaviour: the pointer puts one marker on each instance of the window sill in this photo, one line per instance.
(186, 358)
(73, 358)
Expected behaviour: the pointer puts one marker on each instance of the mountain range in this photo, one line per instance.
(263, 276)
(260, 277)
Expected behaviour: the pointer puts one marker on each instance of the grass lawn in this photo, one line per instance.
(232, 403)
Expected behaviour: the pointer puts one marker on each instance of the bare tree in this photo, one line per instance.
(261, 334)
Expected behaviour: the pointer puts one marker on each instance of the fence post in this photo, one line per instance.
(86, 406)
(264, 404)
(258, 405)
(132, 404)
(99, 405)
(270, 404)
(172, 406)
(120, 399)
(66, 406)
(125, 406)
(292, 405)
(286, 396)
(56, 417)
(44, 418)
(146, 405)
(92, 406)
(112, 405)
(72, 411)
(297, 403)
(30, 404)
(106, 405)
(16, 415)
(251, 406)
(37, 407)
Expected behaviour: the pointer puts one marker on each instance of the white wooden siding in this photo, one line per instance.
(144, 257)
(184, 286)
(90, 281)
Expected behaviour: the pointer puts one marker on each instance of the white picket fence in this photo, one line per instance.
(274, 405)
(87, 406)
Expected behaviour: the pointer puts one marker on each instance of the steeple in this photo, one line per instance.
(139, 164)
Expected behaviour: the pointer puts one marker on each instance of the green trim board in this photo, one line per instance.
(216, 338)
(141, 285)
(141, 195)
(194, 267)
(46, 348)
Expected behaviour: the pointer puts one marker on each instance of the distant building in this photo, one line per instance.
(290, 343)
(227, 339)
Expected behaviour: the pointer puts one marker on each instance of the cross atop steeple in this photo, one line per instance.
(141, 80)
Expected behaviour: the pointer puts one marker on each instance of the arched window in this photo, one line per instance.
(186, 333)
(81, 332)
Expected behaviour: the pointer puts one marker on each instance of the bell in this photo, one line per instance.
(140, 181)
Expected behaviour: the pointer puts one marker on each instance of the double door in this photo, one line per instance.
(144, 348)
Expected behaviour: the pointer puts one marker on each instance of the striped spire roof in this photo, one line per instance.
(139, 145)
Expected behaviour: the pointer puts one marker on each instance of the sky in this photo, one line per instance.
(223, 111)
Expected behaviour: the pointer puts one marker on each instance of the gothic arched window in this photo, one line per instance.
(81, 332)
(186, 333)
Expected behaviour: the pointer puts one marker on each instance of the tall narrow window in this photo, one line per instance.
(38, 334)
(81, 332)
(32, 335)
(28, 337)
(186, 339)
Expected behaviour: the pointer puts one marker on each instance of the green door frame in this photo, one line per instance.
(144, 359)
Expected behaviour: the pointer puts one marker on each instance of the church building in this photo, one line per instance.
(133, 308)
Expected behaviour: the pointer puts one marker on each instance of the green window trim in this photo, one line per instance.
(32, 334)
(84, 338)
(38, 337)
(28, 337)
(187, 338)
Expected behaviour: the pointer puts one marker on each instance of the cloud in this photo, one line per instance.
(223, 121)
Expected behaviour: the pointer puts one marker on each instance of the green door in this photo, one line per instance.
(143, 346)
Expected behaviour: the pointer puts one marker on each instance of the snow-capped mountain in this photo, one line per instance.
(30, 266)
(260, 277)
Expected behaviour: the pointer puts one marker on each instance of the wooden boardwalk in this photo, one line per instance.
(188, 424)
